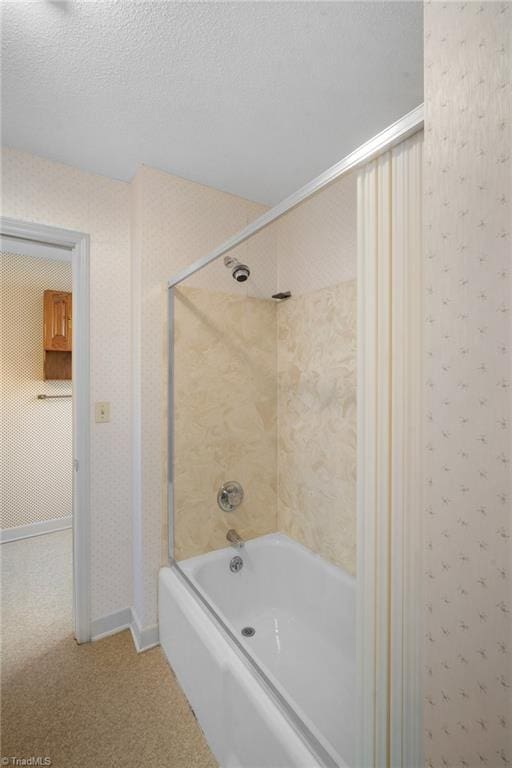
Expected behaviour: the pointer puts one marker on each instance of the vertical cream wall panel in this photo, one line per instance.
(389, 454)
(468, 214)
(34, 189)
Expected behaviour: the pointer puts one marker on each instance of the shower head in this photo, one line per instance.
(239, 272)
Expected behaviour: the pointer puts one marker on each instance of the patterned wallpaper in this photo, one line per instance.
(36, 446)
(468, 214)
(35, 189)
(317, 242)
(317, 421)
(225, 405)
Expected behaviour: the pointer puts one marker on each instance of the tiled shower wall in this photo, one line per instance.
(317, 421)
(468, 214)
(225, 406)
(36, 446)
(265, 393)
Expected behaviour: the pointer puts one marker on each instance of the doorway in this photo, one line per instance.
(63, 382)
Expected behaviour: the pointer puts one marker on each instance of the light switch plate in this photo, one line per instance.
(102, 412)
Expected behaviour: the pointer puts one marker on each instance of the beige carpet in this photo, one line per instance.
(97, 705)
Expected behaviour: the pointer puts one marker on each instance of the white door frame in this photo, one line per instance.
(78, 245)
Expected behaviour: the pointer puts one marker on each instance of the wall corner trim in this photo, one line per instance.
(143, 638)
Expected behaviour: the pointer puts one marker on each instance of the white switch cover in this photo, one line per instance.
(102, 412)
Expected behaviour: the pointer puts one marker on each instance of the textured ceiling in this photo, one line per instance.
(251, 98)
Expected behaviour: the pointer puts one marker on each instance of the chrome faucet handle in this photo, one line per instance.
(230, 496)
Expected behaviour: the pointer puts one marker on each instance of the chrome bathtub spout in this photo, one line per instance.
(234, 539)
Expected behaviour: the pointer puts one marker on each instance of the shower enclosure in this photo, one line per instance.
(264, 394)
(257, 612)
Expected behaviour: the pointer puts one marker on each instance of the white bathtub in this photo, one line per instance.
(303, 612)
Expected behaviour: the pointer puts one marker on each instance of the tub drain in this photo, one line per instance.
(248, 631)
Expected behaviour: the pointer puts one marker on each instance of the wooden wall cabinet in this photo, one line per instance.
(57, 334)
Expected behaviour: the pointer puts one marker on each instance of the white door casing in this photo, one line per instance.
(78, 245)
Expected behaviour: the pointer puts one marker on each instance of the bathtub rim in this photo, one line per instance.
(320, 751)
(274, 539)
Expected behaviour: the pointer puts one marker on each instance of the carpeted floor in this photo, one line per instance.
(99, 705)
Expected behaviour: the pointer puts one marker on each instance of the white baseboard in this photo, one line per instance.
(126, 618)
(34, 529)
(143, 638)
(111, 624)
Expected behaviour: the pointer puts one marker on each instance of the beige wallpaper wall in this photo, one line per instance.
(467, 525)
(225, 388)
(317, 241)
(35, 189)
(317, 421)
(36, 445)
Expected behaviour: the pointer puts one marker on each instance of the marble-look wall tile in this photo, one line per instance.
(225, 384)
(228, 424)
(317, 421)
(468, 335)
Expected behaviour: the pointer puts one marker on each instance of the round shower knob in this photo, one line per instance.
(230, 496)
